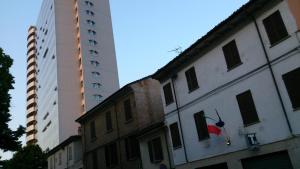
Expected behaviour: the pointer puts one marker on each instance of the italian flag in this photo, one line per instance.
(213, 128)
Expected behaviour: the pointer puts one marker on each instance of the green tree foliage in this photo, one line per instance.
(29, 157)
(8, 138)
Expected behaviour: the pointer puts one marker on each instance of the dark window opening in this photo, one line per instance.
(111, 155)
(95, 160)
(175, 135)
(191, 79)
(201, 126)
(132, 148)
(127, 109)
(168, 94)
(247, 108)
(231, 54)
(155, 150)
(275, 28)
(93, 130)
(292, 84)
(108, 121)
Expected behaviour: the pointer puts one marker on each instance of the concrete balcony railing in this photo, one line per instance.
(30, 61)
(31, 85)
(32, 69)
(31, 30)
(31, 101)
(31, 54)
(30, 128)
(30, 39)
(30, 137)
(31, 46)
(31, 110)
(31, 120)
(31, 76)
(31, 93)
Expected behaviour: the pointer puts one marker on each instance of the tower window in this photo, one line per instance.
(90, 13)
(88, 3)
(96, 74)
(91, 32)
(90, 22)
(93, 42)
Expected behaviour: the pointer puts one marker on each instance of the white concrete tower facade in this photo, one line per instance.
(76, 65)
(31, 87)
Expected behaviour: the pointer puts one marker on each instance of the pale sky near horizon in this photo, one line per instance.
(145, 31)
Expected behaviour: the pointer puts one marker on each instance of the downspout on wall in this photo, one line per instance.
(179, 118)
(273, 76)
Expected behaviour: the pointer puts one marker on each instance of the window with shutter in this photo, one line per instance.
(175, 135)
(275, 28)
(231, 54)
(191, 79)
(108, 121)
(247, 108)
(155, 150)
(292, 83)
(201, 126)
(168, 94)
(127, 109)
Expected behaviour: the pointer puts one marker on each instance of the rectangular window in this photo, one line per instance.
(247, 108)
(111, 155)
(45, 54)
(201, 126)
(95, 160)
(108, 121)
(175, 135)
(127, 109)
(70, 153)
(231, 54)
(191, 79)
(132, 148)
(93, 130)
(155, 150)
(59, 158)
(275, 28)
(292, 84)
(168, 94)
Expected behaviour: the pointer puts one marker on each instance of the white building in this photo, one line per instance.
(248, 69)
(68, 154)
(72, 67)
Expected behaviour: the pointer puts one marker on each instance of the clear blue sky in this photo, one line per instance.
(144, 32)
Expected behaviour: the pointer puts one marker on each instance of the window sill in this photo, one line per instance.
(279, 41)
(296, 109)
(204, 139)
(109, 131)
(93, 139)
(169, 103)
(250, 124)
(192, 90)
(133, 159)
(178, 147)
(129, 121)
(233, 67)
(157, 161)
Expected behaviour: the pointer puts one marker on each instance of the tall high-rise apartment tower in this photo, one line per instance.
(71, 67)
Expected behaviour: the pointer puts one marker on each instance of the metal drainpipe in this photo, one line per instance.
(179, 118)
(167, 145)
(118, 136)
(273, 76)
